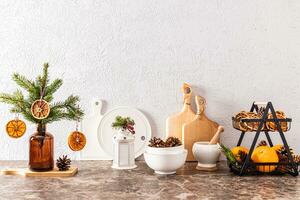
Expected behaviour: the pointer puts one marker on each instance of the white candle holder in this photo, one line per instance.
(123, 144)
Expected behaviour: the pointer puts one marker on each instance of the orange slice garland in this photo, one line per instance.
(16, 128)
(40, 109)
(76, 141)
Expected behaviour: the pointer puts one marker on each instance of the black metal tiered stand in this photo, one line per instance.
(290, 167)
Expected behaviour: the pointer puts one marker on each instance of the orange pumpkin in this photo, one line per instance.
(277, 147)
(265, 154)
(235, 151)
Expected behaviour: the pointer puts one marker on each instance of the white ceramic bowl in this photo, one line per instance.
(166, 150)
(166, 163)
(206, 154)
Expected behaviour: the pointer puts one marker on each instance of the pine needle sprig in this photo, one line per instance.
(229, 155)
(42, 88)
(27, 85)
(43, 80)
(124, 123)
(52, 88)
(67, 110)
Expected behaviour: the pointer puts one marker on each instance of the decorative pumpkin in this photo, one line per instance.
(265, 154)
(235, 151)
(277, 147)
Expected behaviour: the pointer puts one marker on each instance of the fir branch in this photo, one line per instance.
(72, 100)
(52, 88)
(45, 80)
(20, 106)
(26, 84)
(68, 109)
(54, 115)
(58, 105)
(42, 80)
(16, 98)
(28, 116)
(124, 123)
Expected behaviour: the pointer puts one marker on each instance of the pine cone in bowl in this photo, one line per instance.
(172, 142)
(156, 142)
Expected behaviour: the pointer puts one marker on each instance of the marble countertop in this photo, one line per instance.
(97, 180)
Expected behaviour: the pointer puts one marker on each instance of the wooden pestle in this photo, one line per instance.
(217, 135)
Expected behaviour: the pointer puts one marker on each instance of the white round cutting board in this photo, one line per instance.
(142, 130)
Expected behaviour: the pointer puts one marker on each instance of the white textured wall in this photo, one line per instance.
(138, 53)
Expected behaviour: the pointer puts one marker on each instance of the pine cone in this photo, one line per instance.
(242, 156)
(284, 152)
(296, 159)
(156, 142)
(282, 158)
(262, 143)
(172, 142)
(63, 163)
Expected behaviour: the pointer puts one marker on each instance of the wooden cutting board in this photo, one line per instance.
(28, 173)
(174, 123)
(199, 129)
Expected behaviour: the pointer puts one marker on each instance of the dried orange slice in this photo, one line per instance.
(16, 128)
(76, 141)
(40, 109)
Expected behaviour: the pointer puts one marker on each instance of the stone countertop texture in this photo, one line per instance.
(97, 180)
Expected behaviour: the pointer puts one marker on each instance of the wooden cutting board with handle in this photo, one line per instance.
(175, 122)
(199, 129)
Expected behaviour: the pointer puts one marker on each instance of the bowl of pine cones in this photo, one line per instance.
(170, 145)
(165, 156)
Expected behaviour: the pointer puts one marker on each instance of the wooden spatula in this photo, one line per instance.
(175, 122)
(199, 129)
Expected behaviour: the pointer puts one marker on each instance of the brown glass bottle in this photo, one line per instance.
(41, 150)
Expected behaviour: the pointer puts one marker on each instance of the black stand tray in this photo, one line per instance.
(249, 168)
